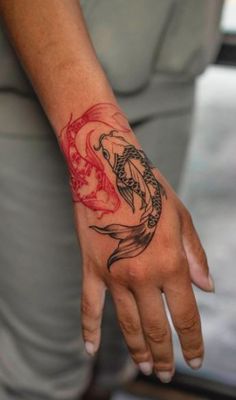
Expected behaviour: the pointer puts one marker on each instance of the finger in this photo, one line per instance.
(156, 330)
(199, 270)
(185, 316)
(92, 303)
(131, 328)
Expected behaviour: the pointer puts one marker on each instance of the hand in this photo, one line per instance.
(137, 240)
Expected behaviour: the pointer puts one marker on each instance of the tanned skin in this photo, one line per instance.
(137, 238)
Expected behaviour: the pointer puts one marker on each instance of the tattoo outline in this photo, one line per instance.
(89, 183)
(134, 176)
(135, 180)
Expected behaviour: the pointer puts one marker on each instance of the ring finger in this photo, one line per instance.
(131, 328)
(156, 330)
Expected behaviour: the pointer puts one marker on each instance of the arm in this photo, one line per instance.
(137, 238)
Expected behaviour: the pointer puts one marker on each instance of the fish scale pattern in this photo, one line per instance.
(129, 153)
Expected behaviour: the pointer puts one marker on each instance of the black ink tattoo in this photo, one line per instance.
(134, 176)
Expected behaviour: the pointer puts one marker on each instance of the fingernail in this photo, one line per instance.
(165, 376)
(89, 348)
(211, 283)
(145, 368)
(195, 363)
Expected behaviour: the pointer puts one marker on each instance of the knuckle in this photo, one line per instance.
(189, 323)
(129, 327)
(116, 277)
(88, 330)
(137, 275)
(176, 263)
(157, 334)
(171, 269)
(90, 309)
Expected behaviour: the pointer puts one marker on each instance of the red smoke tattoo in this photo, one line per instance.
(89, 183)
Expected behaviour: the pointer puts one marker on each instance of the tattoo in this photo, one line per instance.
(134, 178)
(89, 183)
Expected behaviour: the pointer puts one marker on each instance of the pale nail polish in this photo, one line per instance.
(211, 283)
(89, 348)
(145, 367)
(164, 376)
(195, 363)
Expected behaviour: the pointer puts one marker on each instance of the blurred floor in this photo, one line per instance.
(209, 191)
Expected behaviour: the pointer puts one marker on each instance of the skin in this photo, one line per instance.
(51, 40)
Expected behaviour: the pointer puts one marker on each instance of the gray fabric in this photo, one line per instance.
(165, 140)
(144, 37)
(22, 116)
(191, 39)
(162, 96)
(12, 76)
(132, 31)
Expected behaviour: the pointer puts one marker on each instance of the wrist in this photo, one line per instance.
(91, 182)
(79, 93)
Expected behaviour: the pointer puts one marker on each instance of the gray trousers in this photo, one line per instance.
(42, 354)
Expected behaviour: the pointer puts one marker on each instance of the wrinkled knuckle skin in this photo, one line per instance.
(156, 334)
(90, 310)
(130, 327)
(189, 324)
(89, 331)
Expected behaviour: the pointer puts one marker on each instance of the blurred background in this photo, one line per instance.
(172, 65)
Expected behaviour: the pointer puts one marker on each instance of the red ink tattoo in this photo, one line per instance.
(89, 182)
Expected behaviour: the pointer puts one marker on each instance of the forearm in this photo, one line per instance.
(51, 40)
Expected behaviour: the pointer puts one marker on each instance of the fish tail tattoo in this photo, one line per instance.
(133, 171)
(133, 240)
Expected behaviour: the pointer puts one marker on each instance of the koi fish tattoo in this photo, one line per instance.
(134, 177)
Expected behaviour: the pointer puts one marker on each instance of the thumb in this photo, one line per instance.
(199, 270)
(92, 303)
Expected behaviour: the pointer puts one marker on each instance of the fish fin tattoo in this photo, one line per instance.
(134, 177)
(132, 240)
